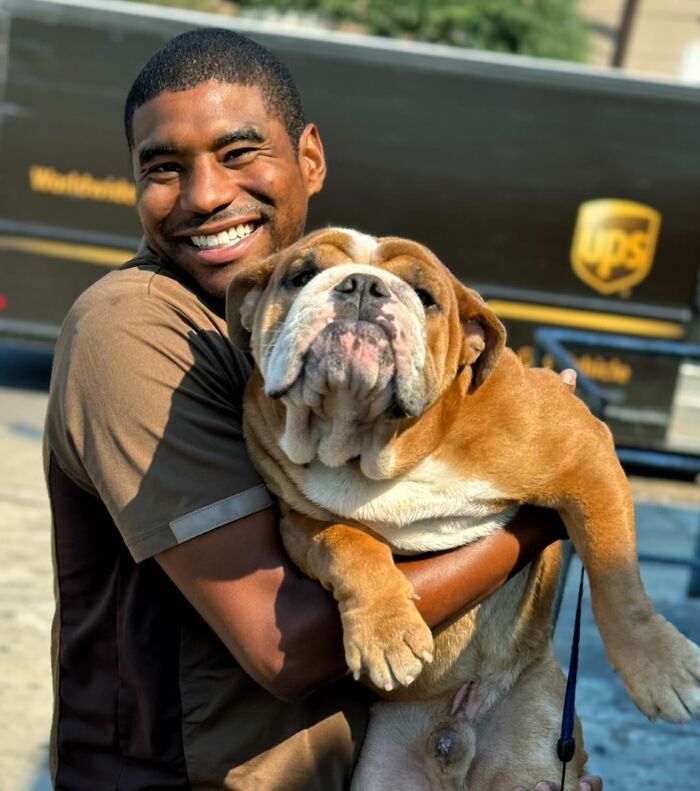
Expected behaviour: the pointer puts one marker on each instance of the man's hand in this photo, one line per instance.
(587, 782)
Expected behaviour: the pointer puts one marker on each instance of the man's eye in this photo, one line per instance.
(165, 167)
(426, 298)
(302, 278)
(236, 154)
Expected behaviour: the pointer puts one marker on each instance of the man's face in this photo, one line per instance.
(218, 180)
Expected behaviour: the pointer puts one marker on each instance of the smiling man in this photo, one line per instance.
(220, 179)
(186, 646)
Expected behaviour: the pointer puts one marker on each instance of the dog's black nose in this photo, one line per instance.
(363, 286)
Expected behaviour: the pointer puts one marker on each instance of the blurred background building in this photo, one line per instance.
(663, 39)
(653, 37)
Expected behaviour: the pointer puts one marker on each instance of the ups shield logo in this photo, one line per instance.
(614, 244)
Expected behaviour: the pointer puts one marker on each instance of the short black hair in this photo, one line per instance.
(220, 55)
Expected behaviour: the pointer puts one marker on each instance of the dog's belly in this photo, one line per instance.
(429, 508)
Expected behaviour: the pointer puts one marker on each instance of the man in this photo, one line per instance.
(186, 646)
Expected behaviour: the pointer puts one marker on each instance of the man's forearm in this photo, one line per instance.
(447, 583)
(450, 582)
(285, 629)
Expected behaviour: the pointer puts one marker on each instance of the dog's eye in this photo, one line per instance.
(302, 278)
(426, 298)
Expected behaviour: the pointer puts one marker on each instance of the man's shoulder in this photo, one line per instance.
(140, 279)
(142, 288)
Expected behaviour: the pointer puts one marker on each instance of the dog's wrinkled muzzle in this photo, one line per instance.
(354, 356)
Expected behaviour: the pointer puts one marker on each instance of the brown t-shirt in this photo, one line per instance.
(143, 451)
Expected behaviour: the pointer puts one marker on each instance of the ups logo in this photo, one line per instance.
(614, 244)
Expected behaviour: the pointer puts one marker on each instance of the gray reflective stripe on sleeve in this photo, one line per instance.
(220, 513)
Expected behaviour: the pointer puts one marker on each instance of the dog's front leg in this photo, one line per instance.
(384, 635)
(659, 666)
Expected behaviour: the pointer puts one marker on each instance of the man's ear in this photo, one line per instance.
(242, 296)
(312, 160)
(484, 335)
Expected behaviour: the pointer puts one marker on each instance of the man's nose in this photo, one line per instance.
(208, 187)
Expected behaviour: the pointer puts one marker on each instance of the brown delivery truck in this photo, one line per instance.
(568, 195)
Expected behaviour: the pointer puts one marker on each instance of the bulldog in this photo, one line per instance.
(388, 416)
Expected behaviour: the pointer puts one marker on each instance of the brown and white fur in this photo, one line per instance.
(388, 416)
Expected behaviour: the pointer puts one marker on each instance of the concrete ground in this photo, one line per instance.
(628, 751)
(26, 591)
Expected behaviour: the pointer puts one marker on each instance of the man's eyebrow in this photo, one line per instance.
(249, 135)
(147, 154)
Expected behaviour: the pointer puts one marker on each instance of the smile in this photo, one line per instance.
(224, 239)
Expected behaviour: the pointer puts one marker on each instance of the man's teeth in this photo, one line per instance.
(225, 238)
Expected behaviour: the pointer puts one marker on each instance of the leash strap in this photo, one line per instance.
(566, 746)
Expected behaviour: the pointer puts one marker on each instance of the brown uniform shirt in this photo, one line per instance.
(143, 451)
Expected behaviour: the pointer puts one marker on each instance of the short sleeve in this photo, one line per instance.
(146, 410)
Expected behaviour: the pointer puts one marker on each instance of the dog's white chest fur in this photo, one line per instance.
(429, 508)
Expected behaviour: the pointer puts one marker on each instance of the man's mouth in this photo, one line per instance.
(226, 238)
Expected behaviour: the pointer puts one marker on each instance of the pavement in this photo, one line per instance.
(629, 752)
(26, 587)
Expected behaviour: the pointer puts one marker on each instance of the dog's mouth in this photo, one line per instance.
(343, 389)
(355, 357)
(347, 348)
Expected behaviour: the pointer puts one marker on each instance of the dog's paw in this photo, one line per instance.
(386, 640)
(661, 671)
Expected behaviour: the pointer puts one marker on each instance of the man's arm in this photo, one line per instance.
(284, 629)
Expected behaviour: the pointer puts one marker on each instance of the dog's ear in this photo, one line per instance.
(484, 335)
(242, 296)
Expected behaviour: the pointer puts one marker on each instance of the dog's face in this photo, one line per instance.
(356, 330)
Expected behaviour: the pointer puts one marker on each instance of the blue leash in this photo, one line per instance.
(566, 746)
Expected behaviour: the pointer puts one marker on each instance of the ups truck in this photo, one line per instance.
(569, 196)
